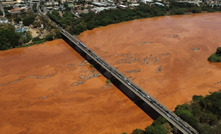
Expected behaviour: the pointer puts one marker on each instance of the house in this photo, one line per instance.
(121, 6)
(18, 10)
(12, 11)
(4, 21)
(55, 3)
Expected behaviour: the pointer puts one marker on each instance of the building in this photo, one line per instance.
(122, 6)
(48, 3)
(190, 1)
(98, 4)
(13, 11)
(4, 21)
(18, 10)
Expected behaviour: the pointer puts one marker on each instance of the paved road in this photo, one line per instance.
(2, 9)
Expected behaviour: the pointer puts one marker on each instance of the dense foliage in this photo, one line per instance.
(91, 20)
(8, 37)
(17, 19)
(215, 57)
(34, 7)
(28, 20)
(49, 37)
(203, 114)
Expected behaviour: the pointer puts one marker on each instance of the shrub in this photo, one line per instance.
(108, 81)
(49, 37)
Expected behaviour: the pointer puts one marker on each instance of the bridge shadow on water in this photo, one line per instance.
(133, 97)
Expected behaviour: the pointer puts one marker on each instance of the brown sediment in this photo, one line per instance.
(50, 88)
(171, 52)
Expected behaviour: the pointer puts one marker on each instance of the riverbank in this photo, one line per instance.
(93, 20)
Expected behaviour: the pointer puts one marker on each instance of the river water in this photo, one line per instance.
(49, 88)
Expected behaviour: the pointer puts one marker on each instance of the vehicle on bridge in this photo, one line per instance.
(82, 44)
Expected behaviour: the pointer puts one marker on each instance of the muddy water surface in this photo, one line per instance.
(50, 88)
(166, 56)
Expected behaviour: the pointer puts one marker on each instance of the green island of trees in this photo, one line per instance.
(202, 113)
(215, 57)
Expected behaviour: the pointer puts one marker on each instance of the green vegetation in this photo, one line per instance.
(37, 40)
(91, 65)
(8, 37)
(49, 37)
(202, 113)
(34, 7)
(91, 20)
(17, 19)
(108, 81)
(28, 20)
(216, 57)
(27, 37)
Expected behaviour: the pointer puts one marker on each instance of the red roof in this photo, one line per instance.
(19, 9)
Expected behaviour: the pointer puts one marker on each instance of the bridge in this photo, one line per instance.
(181, 125)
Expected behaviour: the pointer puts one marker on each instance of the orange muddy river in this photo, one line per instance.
(50, 88)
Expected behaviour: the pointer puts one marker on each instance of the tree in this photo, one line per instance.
(197, 98)
(17, 19)
(138, 131)
(167, 127)
(49, 37)
(28, 20)
(108, 81)
(27, 37)
(34, 7)
(29, 12)
(218, 51)
(157, 129)
(8, 37)
(42, 3)
(159, 121)
(56, 13)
